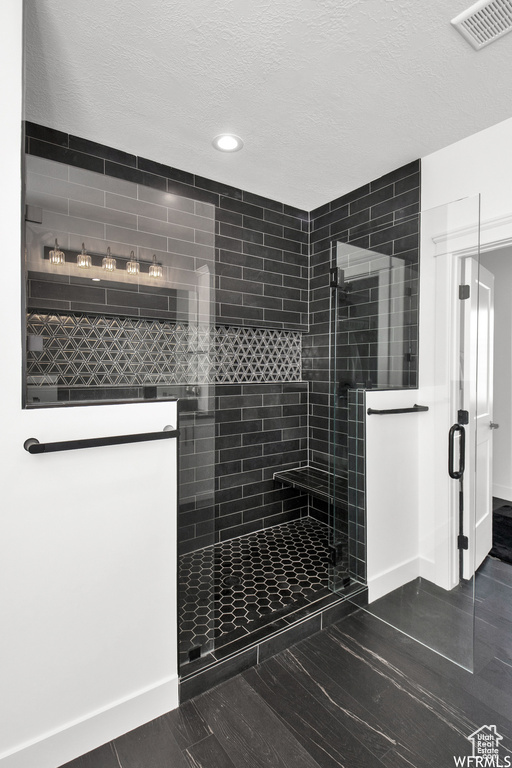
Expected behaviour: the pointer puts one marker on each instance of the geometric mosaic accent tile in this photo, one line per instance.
(97, 350)
(256, 355)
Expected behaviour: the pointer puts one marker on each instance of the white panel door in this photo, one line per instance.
(478, 398)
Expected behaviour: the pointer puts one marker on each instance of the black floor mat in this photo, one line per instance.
(502, 534)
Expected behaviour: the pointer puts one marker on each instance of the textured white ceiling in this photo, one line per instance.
(326, 94)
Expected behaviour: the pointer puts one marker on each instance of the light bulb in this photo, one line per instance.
(83, 259)
(227, 142)
(56, 256)
(155, 270)
(108, 263)
(133, 266)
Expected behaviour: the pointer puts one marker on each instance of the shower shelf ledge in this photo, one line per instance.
(316, 482)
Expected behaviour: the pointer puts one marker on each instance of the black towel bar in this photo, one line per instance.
(34, 446)
(414, 409)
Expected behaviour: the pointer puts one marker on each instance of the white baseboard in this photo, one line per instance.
(395, 577)
(426, 568)
(502, 492)
(76, 738)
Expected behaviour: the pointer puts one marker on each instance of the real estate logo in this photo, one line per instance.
(486, 750)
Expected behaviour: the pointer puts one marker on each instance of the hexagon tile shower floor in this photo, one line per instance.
(229, 590)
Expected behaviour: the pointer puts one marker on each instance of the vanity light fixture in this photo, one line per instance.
(108, 263)
(227, 142)
(155, 269)
(133, 266)
(83, 259)
(56, 256)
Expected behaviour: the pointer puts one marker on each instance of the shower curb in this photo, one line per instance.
(218, 671)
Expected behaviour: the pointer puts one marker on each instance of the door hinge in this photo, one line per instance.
(463, 417)
(464, 292)
(462, 542)
(334, 278)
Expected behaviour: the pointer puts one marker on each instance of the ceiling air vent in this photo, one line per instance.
(485, 21)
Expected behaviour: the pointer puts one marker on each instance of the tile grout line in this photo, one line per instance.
(116, 753)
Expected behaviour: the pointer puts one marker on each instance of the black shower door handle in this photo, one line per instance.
(456, 474)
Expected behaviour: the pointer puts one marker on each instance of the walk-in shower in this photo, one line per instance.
(272, 483)
(241, 592)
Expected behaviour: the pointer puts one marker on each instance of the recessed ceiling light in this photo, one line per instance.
(227, 142)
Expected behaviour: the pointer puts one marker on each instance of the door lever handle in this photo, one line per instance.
(493, 425)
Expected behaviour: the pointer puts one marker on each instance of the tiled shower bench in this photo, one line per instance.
(316, 482)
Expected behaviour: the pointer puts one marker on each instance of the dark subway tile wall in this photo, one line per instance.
(261, 244)
(196, 502)
(356, 481)
(381, 215)
(363, 315)
(259, 428)
(72, 294)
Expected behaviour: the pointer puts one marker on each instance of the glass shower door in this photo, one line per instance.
(373, 342)
(411, 455)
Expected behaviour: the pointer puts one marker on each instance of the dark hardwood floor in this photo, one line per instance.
(358, 694)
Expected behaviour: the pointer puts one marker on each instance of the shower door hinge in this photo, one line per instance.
(34, 214)
(464, 292)
(334, 277)
(194, 653)
(463, 417)
(335, 553)
(462, 542)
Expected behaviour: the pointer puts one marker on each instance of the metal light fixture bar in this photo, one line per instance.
(104, 261)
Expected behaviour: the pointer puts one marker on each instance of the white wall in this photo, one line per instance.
(500, 264)
(87, 538)
(478, 165)
(391, 492)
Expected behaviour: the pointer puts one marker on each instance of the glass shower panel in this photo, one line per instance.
(132, 321)
(373, 346)
(417, 478)
(376, 300)
(197, 563)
